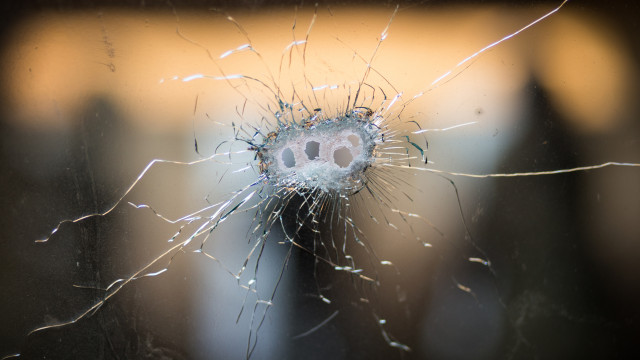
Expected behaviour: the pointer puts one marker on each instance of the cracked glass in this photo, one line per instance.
(470, 188)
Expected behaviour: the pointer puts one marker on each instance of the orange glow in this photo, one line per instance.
(58, 61)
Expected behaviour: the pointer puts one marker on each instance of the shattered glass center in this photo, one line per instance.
(329, 155)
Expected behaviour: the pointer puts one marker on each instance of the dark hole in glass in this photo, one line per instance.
(342, 157)
(312, 149)
(288, 158)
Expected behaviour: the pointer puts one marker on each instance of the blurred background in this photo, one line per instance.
(89, 99)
